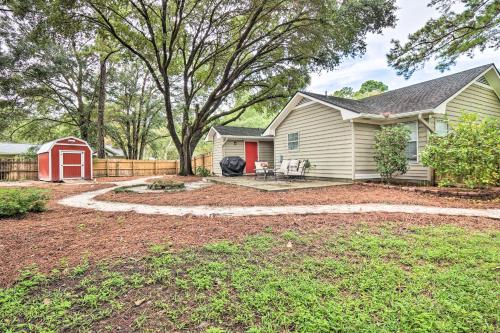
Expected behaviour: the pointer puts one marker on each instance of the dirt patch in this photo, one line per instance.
(67, 235)
(231, 195)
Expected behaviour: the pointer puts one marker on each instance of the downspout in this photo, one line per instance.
(353, 150)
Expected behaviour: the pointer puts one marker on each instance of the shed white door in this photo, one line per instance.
(72, 164)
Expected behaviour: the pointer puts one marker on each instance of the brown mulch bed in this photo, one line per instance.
(67, 235)
(458, 192)
(230, 195)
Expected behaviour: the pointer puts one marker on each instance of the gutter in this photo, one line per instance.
(263, 138)
(395, 116)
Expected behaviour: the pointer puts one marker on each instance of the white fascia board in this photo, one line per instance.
(441, 108)
(270, 130)
(396, 116)
(47, 147)
(211, 133)
(256, 138)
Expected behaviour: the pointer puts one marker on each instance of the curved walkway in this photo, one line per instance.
(87, 200)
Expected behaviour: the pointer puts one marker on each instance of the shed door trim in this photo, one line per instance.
(62, 165)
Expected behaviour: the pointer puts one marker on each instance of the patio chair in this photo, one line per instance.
(296, 169)
(262, 169)
(282, 170)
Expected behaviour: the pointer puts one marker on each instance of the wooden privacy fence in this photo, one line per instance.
(124, 168)
(27, 169)
(18, 169)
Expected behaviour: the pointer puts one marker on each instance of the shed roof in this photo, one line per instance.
(48, 145)
(239, 131)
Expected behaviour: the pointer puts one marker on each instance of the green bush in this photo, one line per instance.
(390, 150)
(469, 154)
(202, 172)
(15, 201)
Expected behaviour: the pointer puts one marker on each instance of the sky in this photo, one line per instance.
(412, 15)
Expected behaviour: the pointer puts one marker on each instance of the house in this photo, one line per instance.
(337, 134)
(248, 143)
(12, 149)
(112, 152)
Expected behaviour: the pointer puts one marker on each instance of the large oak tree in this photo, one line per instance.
(49, 67)
(213, 59)
(464, 27)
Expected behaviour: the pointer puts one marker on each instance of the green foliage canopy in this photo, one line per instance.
(474, 26)
(214, 59)
(368, 88)
(390, 150)
(469, 154)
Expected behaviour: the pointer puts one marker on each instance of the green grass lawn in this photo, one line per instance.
(389, 279)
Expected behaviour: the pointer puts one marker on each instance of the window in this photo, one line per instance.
(412, 145)
(441, 127)
(293, 141)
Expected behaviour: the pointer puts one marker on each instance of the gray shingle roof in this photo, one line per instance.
(421, 96)
(345, 103)
(239, 131)
(113, 151)
(11, 148)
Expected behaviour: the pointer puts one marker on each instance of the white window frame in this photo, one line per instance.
(411, 161)
(436, 127)
(288, 141)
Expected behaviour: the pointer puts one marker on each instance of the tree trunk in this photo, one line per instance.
(101, 153)
(185, 156)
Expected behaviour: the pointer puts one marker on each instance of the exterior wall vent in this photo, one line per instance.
(483, 80)
(303, 101)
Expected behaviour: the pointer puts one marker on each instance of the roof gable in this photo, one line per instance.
(426, 95)
(46, 147)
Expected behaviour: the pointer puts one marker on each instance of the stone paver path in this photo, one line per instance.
(86, 200)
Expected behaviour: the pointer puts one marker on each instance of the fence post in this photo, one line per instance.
(203, 160)
(156, 168)
(107, 167)
(177, 166)
(133, 168)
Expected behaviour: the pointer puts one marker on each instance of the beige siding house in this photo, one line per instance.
(337, 135)
(247, 143)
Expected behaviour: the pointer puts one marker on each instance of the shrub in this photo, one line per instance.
(15, 201)
(390, 150)
(469, 154)
(202, 172)
(162, 184)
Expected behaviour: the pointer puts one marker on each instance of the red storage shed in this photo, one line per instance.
(66, 158)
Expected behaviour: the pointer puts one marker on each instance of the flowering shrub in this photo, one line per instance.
(469, 154)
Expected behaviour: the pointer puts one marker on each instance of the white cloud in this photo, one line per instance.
(412, 15)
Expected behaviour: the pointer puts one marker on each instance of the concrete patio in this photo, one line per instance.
(271, 185)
